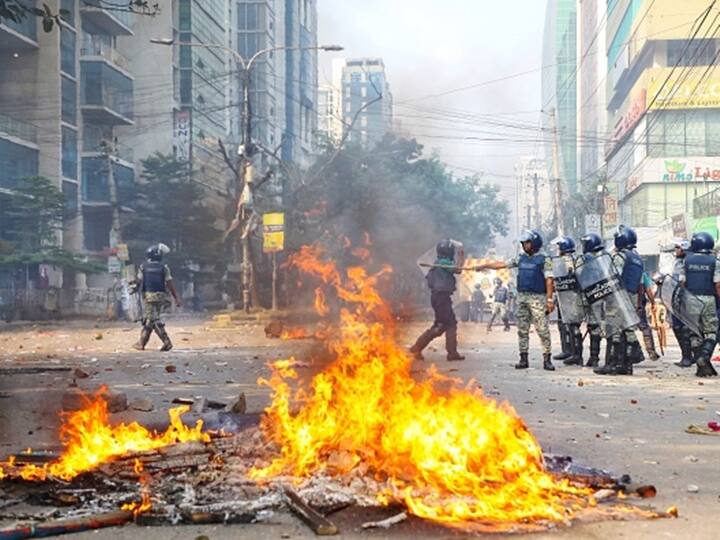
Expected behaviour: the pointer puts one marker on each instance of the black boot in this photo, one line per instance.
(523, 363)
(611, 353)
(636, 354)
(576, 341)
(594, 360)
(683, 338)
(566, 353)
(451, 345)
(144, 338)
(624, 364)
(703, 359)
(547, 362)
(162, 334)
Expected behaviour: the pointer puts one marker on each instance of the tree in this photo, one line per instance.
(31, 218)
(169, 209)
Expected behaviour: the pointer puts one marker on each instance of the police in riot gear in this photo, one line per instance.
(701, 277)
(501, 296)
(682, 333)
(592, 246)
(155, 282)
(571, 310)
(535, 295)
(441, 281)
(626, 348)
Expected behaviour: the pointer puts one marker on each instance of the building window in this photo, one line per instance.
(16, 162)
(694, 53)
(184, 15)
(712, 133)
(185, 56)
(185, 86)
(67, 51)
(69, 153)
(70, 191)
(69, 6)
(96, 228)
(69, 101)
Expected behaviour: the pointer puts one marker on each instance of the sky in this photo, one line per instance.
(435, 46)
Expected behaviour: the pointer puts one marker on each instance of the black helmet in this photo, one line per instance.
(592, 243)
(445, 249)
(625, 237)
(534, 237)
(565, 244)
(156, 252)
(702, 242)
(498, 281)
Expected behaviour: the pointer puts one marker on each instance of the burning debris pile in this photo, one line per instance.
(363, 432)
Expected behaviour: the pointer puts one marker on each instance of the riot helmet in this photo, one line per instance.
(681, 245)
(625, 237)
(498, 281)
(564, 244)
(445, 249)
(157, 251)
(535, 239)
(592, 243)
(702, 242)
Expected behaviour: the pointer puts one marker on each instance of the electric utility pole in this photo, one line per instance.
(557, 181)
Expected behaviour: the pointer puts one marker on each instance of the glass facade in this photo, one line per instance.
(96, 229)
(69, 153)
(69, 100)
(684, 133)
(16, 162)
(104, 86)
(69, 7)
(67, 51)
(27, 26)
(95, 187)
(70, 191)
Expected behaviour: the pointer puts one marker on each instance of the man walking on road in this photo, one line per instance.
(535, 295)
(500, 297)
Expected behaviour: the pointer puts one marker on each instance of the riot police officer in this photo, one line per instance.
(593, 246)
(535, 295)
(441, 281)
(682, 333)
(501, 296)
(155, 281)
(701, 276)
(571, 310)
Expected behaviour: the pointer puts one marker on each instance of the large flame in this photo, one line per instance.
(90, 440)
(447, 451)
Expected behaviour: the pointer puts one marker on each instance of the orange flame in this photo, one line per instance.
(448, 452)
(145, 503)
(90, 440)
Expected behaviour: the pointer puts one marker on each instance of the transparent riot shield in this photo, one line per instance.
(609, 303)
(682, 303)
(568, 293)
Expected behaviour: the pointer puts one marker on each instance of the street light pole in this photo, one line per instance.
(248, 150)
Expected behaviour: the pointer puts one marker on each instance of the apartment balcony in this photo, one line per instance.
(96, 182)
(106, 95)
(95, 143)
(18, 131)
(98, 48)
(19, 36)
(117, 22)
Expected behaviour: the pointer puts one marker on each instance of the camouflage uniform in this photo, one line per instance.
(532, 309)
(708, 314)
(154, 303)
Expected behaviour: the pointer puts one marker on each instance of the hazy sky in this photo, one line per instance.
(433, 46)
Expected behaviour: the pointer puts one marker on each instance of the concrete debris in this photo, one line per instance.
(142, 404)
(239, 406)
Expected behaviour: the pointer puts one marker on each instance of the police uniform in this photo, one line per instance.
(699, 273)
(573, 336)
(501, 295)
(441, 282)
(153, 277)
(630, 267)
(593, 326)
(682, 333)
(533, 270)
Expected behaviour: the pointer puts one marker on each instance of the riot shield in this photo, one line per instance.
(608, 301)
(566, 287)
(682, 303)
(135, 307)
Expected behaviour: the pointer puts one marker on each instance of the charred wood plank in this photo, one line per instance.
(56, 528)
(318, 523)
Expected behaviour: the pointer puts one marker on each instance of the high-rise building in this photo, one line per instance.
(365, 82)
(183, 100)
(662, 102)
(534, 195)
(559, 89)
(330, 127)
(64, 95)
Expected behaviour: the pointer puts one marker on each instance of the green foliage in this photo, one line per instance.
(169, 209)
(31, 217)
(403, 200)
(17, 10)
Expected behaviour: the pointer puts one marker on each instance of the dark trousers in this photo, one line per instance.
(444, 323)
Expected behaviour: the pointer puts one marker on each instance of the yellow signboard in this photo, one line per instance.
(273, 232)
(683, 92)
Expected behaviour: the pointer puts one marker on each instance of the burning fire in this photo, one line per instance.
(448, 452)
(90, 440)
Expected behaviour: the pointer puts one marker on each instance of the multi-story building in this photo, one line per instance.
(534, 203)
(364, 81)
(64, 95)
(330, 128)
(559, 90)
(183, 100)
(663, 104)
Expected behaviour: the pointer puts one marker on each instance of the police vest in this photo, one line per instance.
(699, 273)
(441, 280)
(153, 277)
(632, 273)
(501, 294)
(531, 274)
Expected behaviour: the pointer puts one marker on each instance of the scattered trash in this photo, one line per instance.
(170, 368)
(387, 523)
(692, 488)
(604, 494)
(701, 430)
(80, 373)
(603, 415)
(98, 336)
(690, 459)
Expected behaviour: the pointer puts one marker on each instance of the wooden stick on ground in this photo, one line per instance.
(55, 528)
(319, 524)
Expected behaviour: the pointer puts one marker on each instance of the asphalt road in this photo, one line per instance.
(634, 425)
